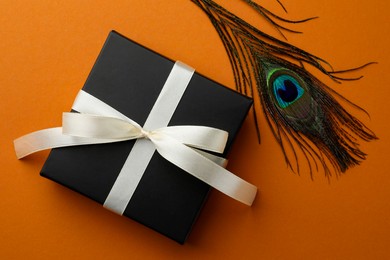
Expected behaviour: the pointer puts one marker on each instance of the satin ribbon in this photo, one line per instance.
(99, 123)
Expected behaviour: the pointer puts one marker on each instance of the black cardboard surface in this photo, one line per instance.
(129, 78)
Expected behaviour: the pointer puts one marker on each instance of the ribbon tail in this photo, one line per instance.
(202, 168)
(51, 138)
(200, 137)
(216, 159)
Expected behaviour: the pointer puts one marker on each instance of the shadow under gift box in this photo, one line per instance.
(129, 78)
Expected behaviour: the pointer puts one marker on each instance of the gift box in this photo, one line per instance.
(129, 78)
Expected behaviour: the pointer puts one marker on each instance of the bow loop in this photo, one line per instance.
(102, 127)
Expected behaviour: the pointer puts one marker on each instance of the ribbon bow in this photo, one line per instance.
(116, 129)
(103, 129)
(175, 143)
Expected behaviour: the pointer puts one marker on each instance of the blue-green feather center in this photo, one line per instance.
(287, 90)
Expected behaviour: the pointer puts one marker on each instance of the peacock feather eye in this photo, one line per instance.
(286, 87)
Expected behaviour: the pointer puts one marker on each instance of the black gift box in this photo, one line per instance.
(129, 78)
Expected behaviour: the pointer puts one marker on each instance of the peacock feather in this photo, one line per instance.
(303, 113)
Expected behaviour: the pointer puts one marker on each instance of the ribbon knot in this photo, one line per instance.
(145, 133)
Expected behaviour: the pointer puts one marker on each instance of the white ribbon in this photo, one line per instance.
(99, 123)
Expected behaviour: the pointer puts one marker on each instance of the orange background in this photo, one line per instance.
(47, 49)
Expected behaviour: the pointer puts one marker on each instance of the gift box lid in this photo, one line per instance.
(129, 78)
